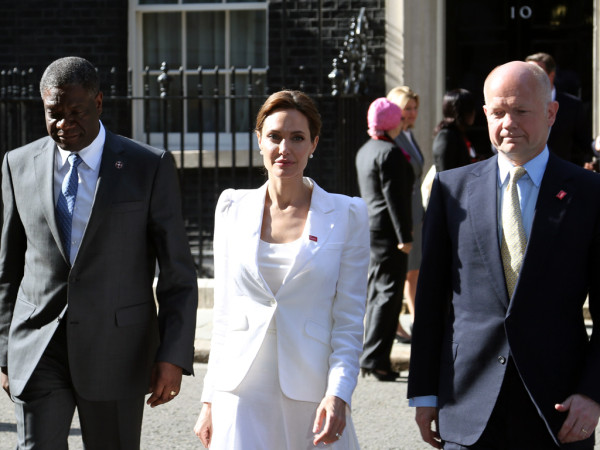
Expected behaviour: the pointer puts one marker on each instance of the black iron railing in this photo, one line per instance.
(208, 127)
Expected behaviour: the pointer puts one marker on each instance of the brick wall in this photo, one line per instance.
(36, 32)
(298, 59)
(294, 41)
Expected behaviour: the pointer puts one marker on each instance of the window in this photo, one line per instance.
(214, 36)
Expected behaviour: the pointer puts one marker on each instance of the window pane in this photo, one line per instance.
(245, 109)
(223, 1)
(157, 110)
(248, 38)
(210, 105)
(162, 39)
(205, 39)
(158, 2)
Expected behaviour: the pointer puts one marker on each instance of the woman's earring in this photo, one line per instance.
(311, 156)
(260, 152)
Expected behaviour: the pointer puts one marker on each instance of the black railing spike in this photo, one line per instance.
(113, 81)
(164, 80)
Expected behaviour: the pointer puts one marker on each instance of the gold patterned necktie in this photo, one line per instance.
(514, 239)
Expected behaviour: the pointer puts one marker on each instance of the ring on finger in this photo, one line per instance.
(338, 435)
(583, 431)
(173, 393)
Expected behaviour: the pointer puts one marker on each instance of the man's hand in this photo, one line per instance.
(581, 420)
(164, 383)
(425, 416)
(4, 380)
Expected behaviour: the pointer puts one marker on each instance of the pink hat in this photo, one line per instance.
(383, 115)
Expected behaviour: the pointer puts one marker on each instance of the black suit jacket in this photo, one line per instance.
(570, 137)
(450, 150)
(466, 326)
(385, 180)
(114, 332)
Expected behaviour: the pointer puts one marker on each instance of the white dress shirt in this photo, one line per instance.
(88, 172)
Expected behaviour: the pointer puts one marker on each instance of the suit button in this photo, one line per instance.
(501, 359)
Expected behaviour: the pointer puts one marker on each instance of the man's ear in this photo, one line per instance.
(552, 110)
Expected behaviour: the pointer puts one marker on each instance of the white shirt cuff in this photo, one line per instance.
(425, 400)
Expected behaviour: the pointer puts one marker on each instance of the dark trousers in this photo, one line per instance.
(515, 423)
(387, 272)
(45, 409)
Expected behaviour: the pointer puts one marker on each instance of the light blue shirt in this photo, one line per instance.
(529, 188)
(88, 172)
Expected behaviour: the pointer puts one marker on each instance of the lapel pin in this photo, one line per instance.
(561, 195)
(119, 164)
(312, 238)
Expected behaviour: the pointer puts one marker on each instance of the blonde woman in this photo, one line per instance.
(408, 100)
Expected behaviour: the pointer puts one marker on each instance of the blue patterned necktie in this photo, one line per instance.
(66, 201)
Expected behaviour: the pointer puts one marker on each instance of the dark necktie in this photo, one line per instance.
(66, 202)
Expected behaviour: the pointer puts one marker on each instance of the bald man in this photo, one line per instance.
(500, 355)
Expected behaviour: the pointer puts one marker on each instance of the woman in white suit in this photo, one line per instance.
(290, 288)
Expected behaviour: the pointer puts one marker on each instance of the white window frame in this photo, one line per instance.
(135, 58)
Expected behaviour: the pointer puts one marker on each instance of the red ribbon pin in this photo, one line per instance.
(561, 195)
(312, 238)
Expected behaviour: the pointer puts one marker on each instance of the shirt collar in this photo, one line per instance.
(91, 154)
(535, 168)
(553, 93)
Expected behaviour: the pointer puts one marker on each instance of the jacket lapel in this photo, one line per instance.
(44, 174)
(484, 221)
(556, 193)
(251, 215)
(319, 225)
(107, 184)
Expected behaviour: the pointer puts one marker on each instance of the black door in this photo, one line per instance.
(483, 34)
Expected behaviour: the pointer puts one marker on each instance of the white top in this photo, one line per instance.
(275, 261)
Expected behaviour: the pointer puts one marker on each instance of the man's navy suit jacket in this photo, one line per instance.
(466, 326)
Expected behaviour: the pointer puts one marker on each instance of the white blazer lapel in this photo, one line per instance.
(319, 225)
(248, 225)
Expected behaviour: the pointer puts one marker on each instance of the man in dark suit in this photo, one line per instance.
(570, 137)
(87, 214)
(500, 355)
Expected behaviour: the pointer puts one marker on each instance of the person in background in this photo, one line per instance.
(385, 179)
(408, 101)
(501, 357)
(570, 137)
(290, 287)
(451, 146)
(88, 216)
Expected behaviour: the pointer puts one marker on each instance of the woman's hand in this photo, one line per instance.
(330, 420)
(203, 428)
(405, 248)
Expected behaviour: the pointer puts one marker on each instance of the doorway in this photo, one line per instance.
(481, 35)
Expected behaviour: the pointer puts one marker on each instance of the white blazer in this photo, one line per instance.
(318, 309)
